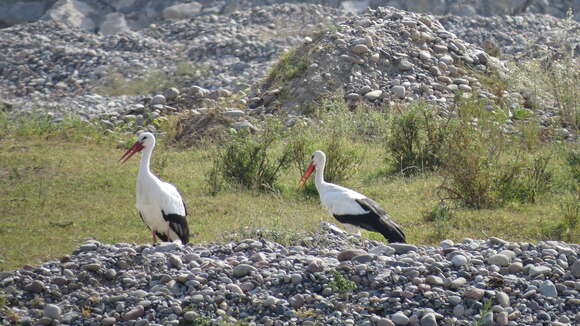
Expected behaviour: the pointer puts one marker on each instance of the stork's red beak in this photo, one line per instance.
(137, 147)
(306, 175)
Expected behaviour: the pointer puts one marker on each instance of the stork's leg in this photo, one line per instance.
(154, 237)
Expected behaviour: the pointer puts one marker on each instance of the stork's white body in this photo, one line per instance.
(154, 197)
(338, 199)
(159, 203)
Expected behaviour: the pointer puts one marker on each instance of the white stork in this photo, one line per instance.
(349, 206)
(159, 203)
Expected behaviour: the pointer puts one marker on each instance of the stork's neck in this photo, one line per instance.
(319, 176)
(145, 160)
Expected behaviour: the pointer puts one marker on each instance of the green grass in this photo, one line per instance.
(61, 184)
(290, 65)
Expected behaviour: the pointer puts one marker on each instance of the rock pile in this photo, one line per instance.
(113, 16)
(520, 37)
(321, 279)
(50, 65)
(381, 56)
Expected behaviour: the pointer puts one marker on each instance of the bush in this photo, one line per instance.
(334, 138)
(521, 182)
(573, 160)
(440, 216)
(480, 169)
(248, 161)
(567, 228)
(416, 140)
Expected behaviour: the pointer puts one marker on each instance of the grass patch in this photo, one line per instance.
(341, 284)
(41, 162)
(115, 84)
(290, 65)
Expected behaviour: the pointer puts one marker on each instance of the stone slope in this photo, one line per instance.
(328, 278)
(382, 56)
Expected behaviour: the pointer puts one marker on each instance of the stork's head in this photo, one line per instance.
(144, 140)
(318, 160)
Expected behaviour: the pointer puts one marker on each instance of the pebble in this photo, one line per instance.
(399, 91)
(399, 318)
(243, 270)
(158, 99)
(474, 293)
(459, 260)
(548, 289)
(373, 95)
(575, 269)
(502, 298)
(35, 286)
(349, 254)
(52, 311)
(403, 248)
(429, 320)
(539, 270)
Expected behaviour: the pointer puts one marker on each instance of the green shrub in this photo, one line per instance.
(573, 160)
(485, 168)
(471, 157)
(440, 217)
(343, 157)
(249, 161)
(340, 284)
(521, 182)
(567, 228)
(416, 139)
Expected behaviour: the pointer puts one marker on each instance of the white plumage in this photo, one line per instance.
(159, 203)
(349, 206)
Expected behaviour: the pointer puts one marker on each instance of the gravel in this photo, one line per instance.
(262, 282)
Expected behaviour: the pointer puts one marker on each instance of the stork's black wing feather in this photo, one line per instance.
(178, 224)
(382, 222)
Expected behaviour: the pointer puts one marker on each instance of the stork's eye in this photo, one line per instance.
(312, 157)
(144, 137)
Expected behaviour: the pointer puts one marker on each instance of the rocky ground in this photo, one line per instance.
(327, 278)
(381, 56)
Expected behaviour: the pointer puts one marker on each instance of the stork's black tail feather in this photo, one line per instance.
(391, 231)
(178, 224)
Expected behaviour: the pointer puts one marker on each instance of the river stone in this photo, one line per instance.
(399, 318)
(134, 313)
(548, 289)
(158, 99)
(539, 270)
(502, 298)
(373, 95)
(429, 320)
(399, 91)
(349, 254)
(243, 270)
(402, 248)
(459, 260)
(474, 293)
(575, 269)
(360, 49)
(182, 11)
(52, 311)
(499, 259)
